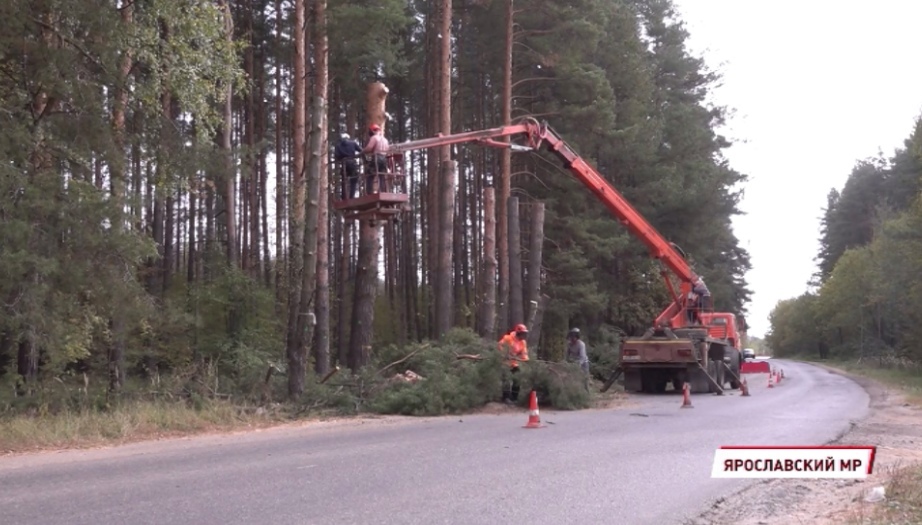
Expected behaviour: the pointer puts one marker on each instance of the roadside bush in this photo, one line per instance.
(604, 352)
(446, 385)
(562, 385)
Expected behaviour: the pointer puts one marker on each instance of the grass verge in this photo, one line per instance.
(903, 488)
(127, 422)
(903, 505)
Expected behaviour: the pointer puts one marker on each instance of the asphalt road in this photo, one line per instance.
(648, 463)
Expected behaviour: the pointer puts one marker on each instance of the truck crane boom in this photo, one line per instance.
(538, 134)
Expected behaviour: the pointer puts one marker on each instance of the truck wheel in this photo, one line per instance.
(698, 383)
(632, 381)
(735, 366)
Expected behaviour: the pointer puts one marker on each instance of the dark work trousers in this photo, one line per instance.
(349, 169)
(379, 163)
(511, 388)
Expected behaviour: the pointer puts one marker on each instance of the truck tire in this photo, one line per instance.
(632, 381)
(735, 366)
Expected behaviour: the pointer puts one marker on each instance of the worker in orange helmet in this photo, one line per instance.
(515, 349)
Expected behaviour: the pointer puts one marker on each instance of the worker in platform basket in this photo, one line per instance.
(699, 300)
(346, 153)
(376, 148)
(515, 348)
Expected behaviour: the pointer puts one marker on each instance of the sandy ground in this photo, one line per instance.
(893, 426)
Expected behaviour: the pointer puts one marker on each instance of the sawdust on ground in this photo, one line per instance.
(893, 426)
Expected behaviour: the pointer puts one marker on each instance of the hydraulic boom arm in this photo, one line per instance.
(537, 134)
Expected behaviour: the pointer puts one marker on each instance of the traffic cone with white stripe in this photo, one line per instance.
(744, 387)
(534, 419)
(770, 384)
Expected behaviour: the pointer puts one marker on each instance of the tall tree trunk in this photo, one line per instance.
(366, 279)
(321, 53)
(252, 166)
(307, 318)
(516, 315)
(296, 255)
(345, 277)
(444, 307)
(505, 185)
(230, 175)
(116, 354)
(487, 324)
(279, 170)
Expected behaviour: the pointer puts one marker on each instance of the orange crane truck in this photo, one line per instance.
(686, 343)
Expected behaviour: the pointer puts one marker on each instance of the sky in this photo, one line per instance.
(814, 86)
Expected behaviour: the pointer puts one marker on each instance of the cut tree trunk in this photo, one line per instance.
(535, 248)
(535, 320)
(366, 279)
(444, 306)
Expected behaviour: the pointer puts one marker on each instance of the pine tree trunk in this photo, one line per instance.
(296, 257)
(345, 277)
(230, 176)
(321, 51)
(279, 171)
(505, 186)
(444, 306)
(487, 324)
(535, 321)
(306, 317)
(516, 315)
(535, 248)
(366, 279)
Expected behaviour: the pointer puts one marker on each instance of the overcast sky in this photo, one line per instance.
(816, 85)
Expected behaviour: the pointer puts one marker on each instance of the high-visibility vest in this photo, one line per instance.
(514, 348)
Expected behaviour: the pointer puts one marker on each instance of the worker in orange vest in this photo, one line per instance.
(515, 349)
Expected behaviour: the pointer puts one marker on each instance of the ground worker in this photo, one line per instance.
(376, 148)
(346, 154)
(515, 349)
(576, 353)
(576, 350)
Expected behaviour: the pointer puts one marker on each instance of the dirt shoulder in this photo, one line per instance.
(893, 426)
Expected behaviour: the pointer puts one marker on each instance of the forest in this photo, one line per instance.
(167, 185)
(865, 300)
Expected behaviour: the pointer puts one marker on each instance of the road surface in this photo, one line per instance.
(648, 463)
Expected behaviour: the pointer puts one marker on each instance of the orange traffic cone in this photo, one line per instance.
(686, 396)
(534, 420)
(744, 387)
(770, 385)
(778, 377)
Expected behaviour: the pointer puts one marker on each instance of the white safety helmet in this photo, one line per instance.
(344, 136)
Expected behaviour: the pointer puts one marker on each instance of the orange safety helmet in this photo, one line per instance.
(521, 328)
(374, 127)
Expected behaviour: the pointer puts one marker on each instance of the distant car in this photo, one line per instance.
(749, 353)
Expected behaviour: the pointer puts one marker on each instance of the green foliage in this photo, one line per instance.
(448, 384)
(562, 385)
(870, 294)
